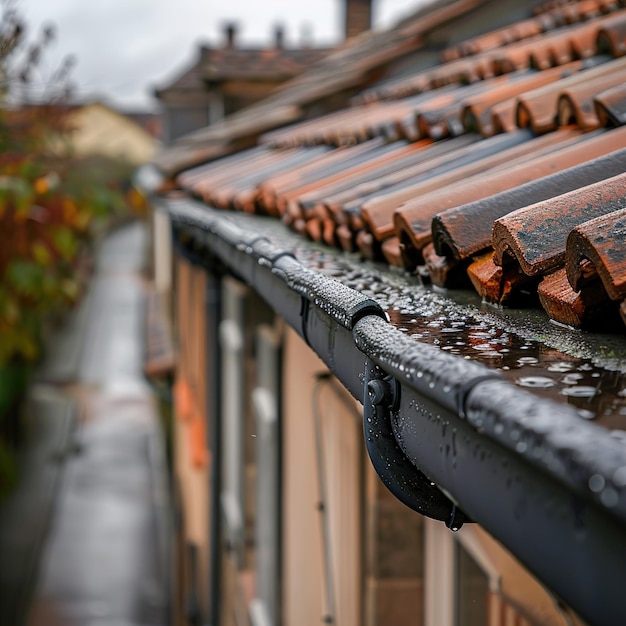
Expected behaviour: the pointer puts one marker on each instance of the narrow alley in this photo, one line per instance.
(105, 557)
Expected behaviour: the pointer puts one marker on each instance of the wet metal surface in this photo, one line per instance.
(553, 361)
(546, 479)
(104, 563)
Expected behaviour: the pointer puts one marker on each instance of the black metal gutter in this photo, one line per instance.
(550, 486)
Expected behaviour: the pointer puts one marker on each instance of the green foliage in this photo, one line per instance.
(50, 203)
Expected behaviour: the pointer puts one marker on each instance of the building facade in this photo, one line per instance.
(354, 446)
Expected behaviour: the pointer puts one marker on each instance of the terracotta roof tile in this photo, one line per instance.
(494, 283)
(435, 169)
(420, 166)
(596, 252)
(439, 116)
(576, 103)
(537, 109)
(308, 193)
(235, 63)
(413, 219)
(610, 106)
(403, 156)
(559, 46)
(566, 306)
(460, 165)
(612, 35)
(224, 167)
(524, 29)
(476, 111)
(271, 189)
(346, 127)
(221, 188)
(351, 179)
(390, 249)
(498, 38)
(465, 230)
(535, 236)
(348, 157)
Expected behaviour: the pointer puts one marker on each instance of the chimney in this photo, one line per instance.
(230, 33)
(306, 35)
(279, 36)
(358, 16)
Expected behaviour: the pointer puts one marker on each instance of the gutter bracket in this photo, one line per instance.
(381, 397)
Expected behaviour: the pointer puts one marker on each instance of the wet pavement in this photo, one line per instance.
(105, 560)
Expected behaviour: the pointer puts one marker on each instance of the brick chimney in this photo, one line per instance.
(358, 16)
(230, 34)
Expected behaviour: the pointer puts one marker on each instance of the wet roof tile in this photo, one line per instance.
(221, 189)
(535, 236)
(612, 35)
(568, 307)
(493, 283)
(271, 189)
(234, 63)
(413, 219)
(348, 157)
(440, 171)
(537, 109)
(419, 167)
(403, 156)
(610, 106)
(476, 111)
(223, 167)
(447, 162)
(575, 104)
(498, 38)
(332, 182)
(465, 230)
(596, 250)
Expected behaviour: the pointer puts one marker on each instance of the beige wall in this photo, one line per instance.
(519, 588)
(100, 130)
(302, 539)
(191, 463)
(305, 582)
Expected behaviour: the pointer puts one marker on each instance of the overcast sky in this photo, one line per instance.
(124, 48)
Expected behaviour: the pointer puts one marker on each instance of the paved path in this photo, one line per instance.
(105, 558)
